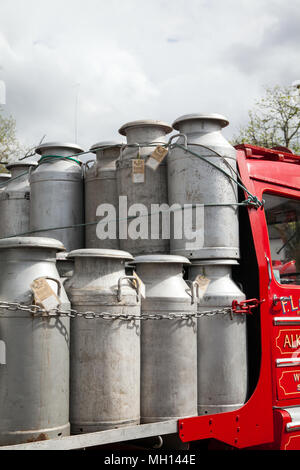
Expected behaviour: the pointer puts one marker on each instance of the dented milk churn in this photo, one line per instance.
(15, 200)
(34, 366)
(168, 345)
(193, 180)
(105, 348)
(101, 197)
(142, 187)
(57, 195)
(222, 349)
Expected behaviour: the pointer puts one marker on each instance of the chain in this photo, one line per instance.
(38, 311)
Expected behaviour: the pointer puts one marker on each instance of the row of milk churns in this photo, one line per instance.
(90, 372)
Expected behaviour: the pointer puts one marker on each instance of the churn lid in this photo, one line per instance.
(99, 253)
(223, 121)
(31, 242)
(106, 143)
(62, 145)
(214, 262)
(161, 259)
(24, 164)
(143, 123)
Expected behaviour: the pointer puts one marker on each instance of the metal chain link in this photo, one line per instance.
(38, 311)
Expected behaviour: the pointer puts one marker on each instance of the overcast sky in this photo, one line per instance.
(123, 60)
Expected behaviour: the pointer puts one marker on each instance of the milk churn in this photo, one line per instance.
(222, 351)
(192, 180)
(168, 346)
(4, 178)
(34, 371)
(15, 200)
(101, 197)
(57, 195)
(141, 189)
(105, 352)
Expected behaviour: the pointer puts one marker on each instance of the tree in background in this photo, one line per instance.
(274, 121)
(10, 148)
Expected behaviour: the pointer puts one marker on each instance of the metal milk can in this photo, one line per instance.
(34, 369)
(57, 194)
(100, 191)
(168, 346)
(222, 343)
(144, 192)
(15, 200)
(211, 231)
(105, 352)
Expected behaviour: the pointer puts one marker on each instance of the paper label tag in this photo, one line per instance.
(156, 157)
(44, 296)
(142, 287)
(138, 170)
(202, 283)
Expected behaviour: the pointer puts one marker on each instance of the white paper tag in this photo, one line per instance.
(138, 170)
(142, 287)
(51, 303)
(44, 296)
(156, 157)
(202, 285)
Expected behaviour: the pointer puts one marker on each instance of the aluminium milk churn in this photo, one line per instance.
(57, 195)
(222, 349)
(192, 180)
(168, 346)
(15, 200)
(34, 368)
(142, 190)
(101, 197)
(105, 352)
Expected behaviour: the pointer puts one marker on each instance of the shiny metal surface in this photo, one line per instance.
(15, 200)
(105, 354)
(34, 379)
(57, 196)
(222, 350)
(154, 189)
(169, 347)
(194, 181)
(100, 189)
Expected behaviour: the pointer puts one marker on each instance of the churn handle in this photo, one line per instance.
(85, 165)
(194, 287)
(180, 134)
(131, 278)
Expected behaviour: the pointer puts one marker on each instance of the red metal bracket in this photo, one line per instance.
(245, 306)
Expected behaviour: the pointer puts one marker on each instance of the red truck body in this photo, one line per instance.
(270, 418)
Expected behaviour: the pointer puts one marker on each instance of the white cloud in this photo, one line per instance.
(136, 59)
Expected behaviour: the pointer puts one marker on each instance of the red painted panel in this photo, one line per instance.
(287, 340)
(288, 382)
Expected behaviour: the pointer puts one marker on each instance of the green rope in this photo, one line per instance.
(252, 200)
(44, 157)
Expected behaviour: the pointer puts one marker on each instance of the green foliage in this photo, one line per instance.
(9, 146)
(274, 120)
